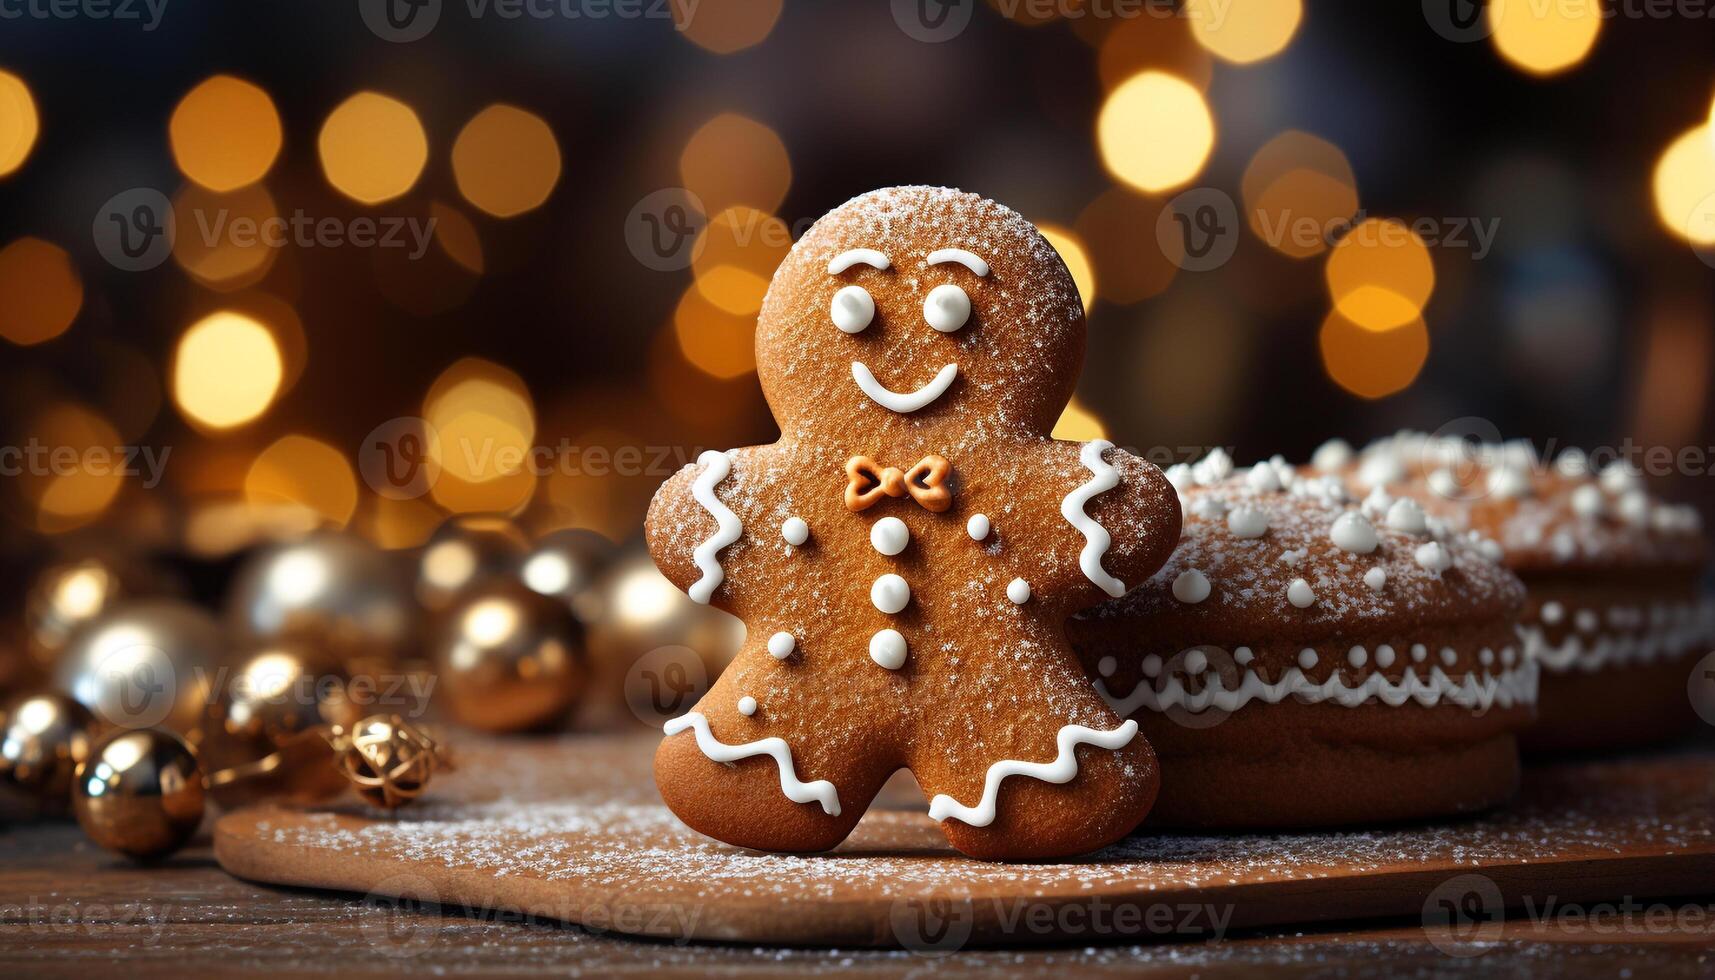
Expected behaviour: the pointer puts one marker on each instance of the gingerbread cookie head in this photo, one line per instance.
(914, 307)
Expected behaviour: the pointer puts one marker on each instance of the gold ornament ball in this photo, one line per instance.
(139, 793)
(332, 591)
(274, 694)
(565, 563)
(145, 663)
(62, 598)
(388, 760)
(508, 659)
(467, 551)
(43, 737)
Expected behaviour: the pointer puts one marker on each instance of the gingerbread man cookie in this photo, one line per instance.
(906, 555)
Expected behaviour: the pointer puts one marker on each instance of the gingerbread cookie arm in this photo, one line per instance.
(1118, 522)
(693, 530)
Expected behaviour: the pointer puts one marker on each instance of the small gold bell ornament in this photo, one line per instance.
(388, 760)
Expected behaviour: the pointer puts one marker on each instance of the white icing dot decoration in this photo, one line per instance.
(1376, 578)
(795, 531)
(1106, 666)
(1407, 516)
(1586, 621)
(1357, 657)
(1247, 522)
(1509, 656)
(1214, 468)
(747, 706)
(1018, 590)
(1180, 476)
(978, 527)
(1300, 594)
(781, 645)
(890, 593)
(1486, 657)
(1384, 656)
(1376, 504)
(1619, 476)
(887, 648)
(889, 535)
(1209, 507)
(1191, 586)
(1262, 478)
(1419, 652)
(1152, 665)
(1573, 463)
(1331, 455)
(1353, 532)
(1291, 558)
(1243, 656)
(1444, 483)
(1553, 612)
(1509, 482)
(1633, 508)
(1196, 662)
(1380, 469)
(947, 307)
(852, 309)
(1307, 658)
(1433, 557)
(1449, 656)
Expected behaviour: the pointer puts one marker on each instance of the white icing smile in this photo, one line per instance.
(904, 403)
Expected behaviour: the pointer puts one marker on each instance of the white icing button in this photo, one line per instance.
(1573, 463)
(852, 309)
(1357, 657)
(1376, 504)
(1444, 484)
(978, 527)
(1553, 612)
(1307, 658)
(1353, 532)
(795, 531)
(887, 648)
(1376, 578)
(890, 593)
(1509, 656)
(1106, 666)
(947, 307)
(1419, 652)
(1432, 557)
(747, 706)
(1619, 477)
(1247, 522)
(1407, 516)
(1384, 656)
(889, 535)
(1213, 468)
(781, 645)
(1196, 662)
(1243, 656)
(1299, 594)
(1018, 590)
(1152, 665)
(1449, 655)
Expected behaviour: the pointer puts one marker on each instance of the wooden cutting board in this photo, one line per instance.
(571, 830)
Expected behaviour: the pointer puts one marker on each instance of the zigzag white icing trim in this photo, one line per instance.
(1096, 538)
(716, 467)
(820, 791)
(1510, 687)
(1693, 629)
(1063, 769)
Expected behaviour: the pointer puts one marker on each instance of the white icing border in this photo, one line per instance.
(820, 791)
(1694, 631)
(1510, 687)
(1063, 769)
(718, 466)
(1096, 538)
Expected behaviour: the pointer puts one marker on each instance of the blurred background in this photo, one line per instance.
(263, 265)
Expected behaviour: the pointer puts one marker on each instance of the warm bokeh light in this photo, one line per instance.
(304, 472)
(1296, 189)
(457, 237)
(372, 147)
(68, 497)
(1380, 274)
(506, 160)
(1119, 230)
(1155, 131)
(485, 426)
(226, 371)
(1065, 241)
(1243, 31)
(219, 243)
(725, 26)
(1685, 186)
(392, 523)
(736, 255)
(718, 342)
(19, 124)
(1163, 43)
(733, 159)
(1544, 37)
(225, 133)
(40, 292)
(1079, 424)
(1369, 363)
(283, 323)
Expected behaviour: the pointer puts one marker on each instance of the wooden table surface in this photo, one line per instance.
(69, 909)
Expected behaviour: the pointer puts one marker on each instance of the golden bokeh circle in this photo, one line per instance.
(1684, 186)
(1297, 189)
(732, 160)
(1544, 37)
(1380, 274)
(506, 160)
(1369, 363)
(225, 133)
(227, 370)
(40, 292)
(1243, 31)
(1155, 131)
(19, 123)
(725, 26)
(372, 148)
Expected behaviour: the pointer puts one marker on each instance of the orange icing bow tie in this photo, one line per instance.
(868, 481)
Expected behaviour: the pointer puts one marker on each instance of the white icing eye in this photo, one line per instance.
(852, 309)
(947, 308)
